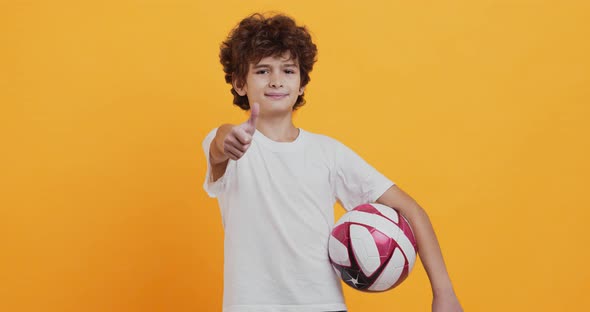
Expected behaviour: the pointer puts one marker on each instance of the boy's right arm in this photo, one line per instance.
(231, 142)
(217, 156)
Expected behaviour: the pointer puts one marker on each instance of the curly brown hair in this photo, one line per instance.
(258, 36)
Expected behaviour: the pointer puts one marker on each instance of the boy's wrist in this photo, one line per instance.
(441, 285)
(218, 159)
(443, 291)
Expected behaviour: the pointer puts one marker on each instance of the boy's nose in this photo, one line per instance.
(275, 82)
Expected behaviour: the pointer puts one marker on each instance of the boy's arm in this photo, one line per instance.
(217, 157)
(231, 142)
(429, 249)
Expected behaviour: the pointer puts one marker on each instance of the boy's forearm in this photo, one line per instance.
(216, 149)
(430, 252)
(429, 248)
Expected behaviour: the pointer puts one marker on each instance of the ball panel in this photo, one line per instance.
(407, 229)
(364, 249)
(387, 212)
(368, 208)
(387, 227)
(340, 232)
(385, 245)
(408, 249)
(361, 218)
(391, 273)
(338, 252)
(355, 279)
(379, 222)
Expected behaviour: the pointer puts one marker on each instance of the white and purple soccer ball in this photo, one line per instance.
(372, 248)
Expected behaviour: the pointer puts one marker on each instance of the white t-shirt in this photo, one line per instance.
(277, 206)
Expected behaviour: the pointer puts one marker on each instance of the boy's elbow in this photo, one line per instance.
(396, 198)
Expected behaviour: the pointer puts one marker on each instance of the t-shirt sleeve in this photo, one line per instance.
(213, 188)
(355, 182)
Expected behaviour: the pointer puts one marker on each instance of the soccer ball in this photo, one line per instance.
(372, 248)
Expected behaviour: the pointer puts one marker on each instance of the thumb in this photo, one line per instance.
(254, 111)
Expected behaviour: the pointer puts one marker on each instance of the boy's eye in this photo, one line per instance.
(289, 71)
(262, 71)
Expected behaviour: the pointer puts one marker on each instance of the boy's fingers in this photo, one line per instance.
(242, 136)
(232, 152)
(241, 147)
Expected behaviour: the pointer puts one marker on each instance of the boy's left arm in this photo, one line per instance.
(444, 298)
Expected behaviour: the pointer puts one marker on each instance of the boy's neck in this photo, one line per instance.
(279, 129)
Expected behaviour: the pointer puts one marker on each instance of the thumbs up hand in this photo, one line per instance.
(238, 140)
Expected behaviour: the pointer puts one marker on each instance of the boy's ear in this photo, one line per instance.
(301, 90)
(241, 91)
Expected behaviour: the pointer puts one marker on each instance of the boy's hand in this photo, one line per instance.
(238, 140)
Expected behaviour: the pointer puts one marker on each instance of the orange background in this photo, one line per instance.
(478, 109)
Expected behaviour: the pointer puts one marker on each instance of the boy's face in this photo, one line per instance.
(274, 83)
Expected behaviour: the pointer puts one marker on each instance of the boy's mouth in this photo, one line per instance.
(276, 96)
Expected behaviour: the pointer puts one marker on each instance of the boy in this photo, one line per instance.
(276, 184)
